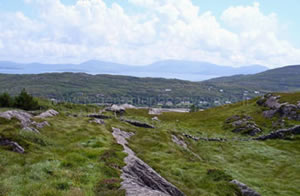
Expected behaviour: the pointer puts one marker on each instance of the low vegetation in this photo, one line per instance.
(74, 156)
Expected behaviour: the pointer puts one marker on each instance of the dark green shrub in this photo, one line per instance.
(6, 100)
(25, 101)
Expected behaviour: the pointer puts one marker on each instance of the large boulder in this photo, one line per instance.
(48, 113)
(117, 109)
(285, 110)
(245, 190)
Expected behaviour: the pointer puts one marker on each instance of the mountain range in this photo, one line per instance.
(185, 70)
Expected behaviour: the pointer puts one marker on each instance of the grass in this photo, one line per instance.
(75, 157)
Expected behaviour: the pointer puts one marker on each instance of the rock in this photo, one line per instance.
(138, 124)
(97, 121)
(48, 113)
(155, 118)
(99, 116)
(280, 134)
(269, 113)
(23, 117)
(128, 106)
(41, 124)
(205, 139)
(285, 110)
(13, 145)
(139, 179)
(31, 129)
(178, 141)
(246, 191)
(117, 109)
(243, 124)
(155, 111)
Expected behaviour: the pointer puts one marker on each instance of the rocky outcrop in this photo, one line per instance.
(139, 179)
(47, 114)
(155, 118)
(178, 141)
(280, 134)
(99, 116)
(117, 109)
(14, 146)
(138, 124)
(155, 111)
(97, 121)
(243, 124)
(285, 110)
(245, 190)
(23, 117)
(204, 138)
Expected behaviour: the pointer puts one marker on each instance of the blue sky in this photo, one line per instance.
(67, 40)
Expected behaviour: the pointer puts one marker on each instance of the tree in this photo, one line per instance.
(193, 108)
(6, 100)
(25, 101)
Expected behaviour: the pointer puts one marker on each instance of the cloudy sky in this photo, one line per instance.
(231, 32)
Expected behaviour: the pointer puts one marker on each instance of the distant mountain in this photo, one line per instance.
(281, 79)
(86, 88)
(185, 70)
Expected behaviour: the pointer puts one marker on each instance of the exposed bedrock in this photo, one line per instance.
(138, 124)
(139, 179)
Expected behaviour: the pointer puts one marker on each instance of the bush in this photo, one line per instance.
(25, 101)
(6, 100)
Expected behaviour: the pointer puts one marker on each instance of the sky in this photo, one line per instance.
(138, 32)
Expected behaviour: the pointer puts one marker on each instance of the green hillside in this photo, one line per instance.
(73, 156)
(84, 88)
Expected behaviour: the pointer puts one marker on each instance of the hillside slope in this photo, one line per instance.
(85, 88)
(199, 153)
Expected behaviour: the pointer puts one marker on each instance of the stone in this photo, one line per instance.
(155, 118)
(117, 109)
(155, 111)
(97, 121)
(48, 113)
(41, 124)
(280, 134)
(245, 190)
(178, 141)
(23, 117)
(139, 179)
(99, 116)
(128, 106)
(243, 124)
(13, 145)
(138, 124)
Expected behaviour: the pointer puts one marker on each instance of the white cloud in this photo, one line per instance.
(167, 29)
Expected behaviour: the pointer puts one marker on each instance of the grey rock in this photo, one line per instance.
(41, 124)
(280, 134)
(97, 121)
(243, 124)
(138, 124)
(48, 113)
(99, 116)
(23, 117)
(13, 145)
(139, 179)
(246, 191)
(117, 109)
(178, 141)
(204, 139)
(269, 113)
(155, 111)
(155, 118)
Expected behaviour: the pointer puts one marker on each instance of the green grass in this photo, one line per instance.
(75, 157)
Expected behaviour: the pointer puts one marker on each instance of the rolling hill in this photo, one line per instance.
(85, 88)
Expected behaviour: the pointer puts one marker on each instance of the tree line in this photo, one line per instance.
(22, 101)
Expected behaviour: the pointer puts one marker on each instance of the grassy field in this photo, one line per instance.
(76, 157)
